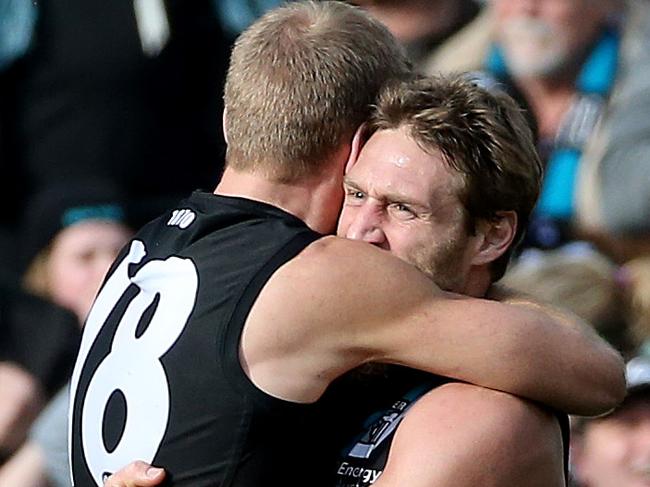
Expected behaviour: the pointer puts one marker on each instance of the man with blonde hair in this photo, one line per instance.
(237, 297)
(447, 167)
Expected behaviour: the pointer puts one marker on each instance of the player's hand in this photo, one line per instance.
(136, 474)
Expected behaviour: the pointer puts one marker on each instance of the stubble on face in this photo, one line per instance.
(394, 169)
(443, 261)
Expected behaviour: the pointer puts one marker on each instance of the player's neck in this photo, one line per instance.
(477, 283)
(317, 201)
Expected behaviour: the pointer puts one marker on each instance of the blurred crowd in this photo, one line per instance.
(111, 111)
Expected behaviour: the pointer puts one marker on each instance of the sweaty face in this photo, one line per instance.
(80, 257)
(542, 37)
(615, 451)
(404, 200)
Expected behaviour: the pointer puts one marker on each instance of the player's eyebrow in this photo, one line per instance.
(349, 182)
(390, 196)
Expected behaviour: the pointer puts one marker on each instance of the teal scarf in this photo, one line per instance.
(593, 86)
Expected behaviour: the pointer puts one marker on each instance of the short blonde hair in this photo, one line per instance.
(301, 79)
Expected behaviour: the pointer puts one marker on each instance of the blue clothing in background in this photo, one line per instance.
(17, 21)
(594, 84)
(237, 15)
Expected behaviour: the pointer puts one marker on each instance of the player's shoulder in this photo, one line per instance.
(360, 282)
(322, 273)
(331, 275)
(479, 418)
(333, 246)
(332, 256)
(490, 410)
(484, 437)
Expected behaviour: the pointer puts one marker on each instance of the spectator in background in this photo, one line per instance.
(614, 451)
(38, 346)
(581, 67)
(21, 399)
(72, 235)
(562, 56)
(421, 26)
(123, 91)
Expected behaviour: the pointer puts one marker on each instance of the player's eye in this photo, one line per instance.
(402, 211)
(352, 194)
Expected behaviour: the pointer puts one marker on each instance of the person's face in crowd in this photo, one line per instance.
(540, 38)
(79, 258)
(405, 200)
(615, 451)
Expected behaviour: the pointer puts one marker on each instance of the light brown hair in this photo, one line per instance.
(481, 134)
(301, 79)
(35, 279)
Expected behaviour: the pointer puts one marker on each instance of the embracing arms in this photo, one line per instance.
(344, 303)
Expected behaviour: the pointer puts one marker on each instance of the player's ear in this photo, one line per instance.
(495, 237)
(359, 139)
(224, 116)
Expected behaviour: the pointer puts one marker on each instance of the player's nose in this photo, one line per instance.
(367, 226)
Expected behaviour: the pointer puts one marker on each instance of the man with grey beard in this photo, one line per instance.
(579, 66)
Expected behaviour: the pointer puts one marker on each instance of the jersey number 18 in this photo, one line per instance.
(133, 365)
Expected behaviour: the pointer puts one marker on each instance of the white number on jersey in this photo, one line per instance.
(133, 365)
(182, 218)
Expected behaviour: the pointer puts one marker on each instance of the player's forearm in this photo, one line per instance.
(595, 370)
(571, 368)
(510, 296)
(524, 349)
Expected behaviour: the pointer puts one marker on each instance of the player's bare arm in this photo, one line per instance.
(351, 303)
(513, 297)
(447, 440)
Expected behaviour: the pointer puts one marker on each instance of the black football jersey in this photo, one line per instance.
(158, 376)
(388, 397)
